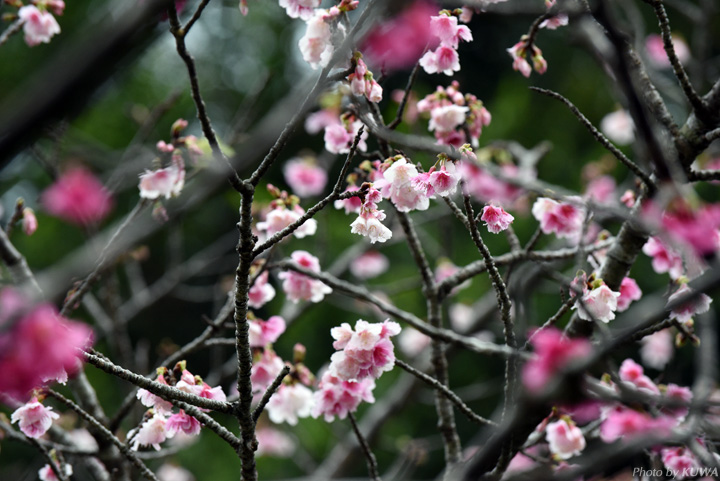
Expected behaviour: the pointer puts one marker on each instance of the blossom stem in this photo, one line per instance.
(371, 461)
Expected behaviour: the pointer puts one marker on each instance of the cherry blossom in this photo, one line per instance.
(363, 83)
(303, 9)
(289, 403)
(150, 400)
(46, 473)
(622, 422)
(77, 197)
(261, 291)
(496, 219)
(599, 304)
(316, 45)
(396, 184)
(353, 204)
(680, 461)
(618, 126)
(33, 418)
(182, 423)
(152, 432)
(565, 438)
(664, 259)
(30, 222)
(446, 28)
(266, 332)
(655, 50)
(447, 117)
(338, 397)
(171, 472)
(339, 136)
(698, 228)
(552, 353)
(555, 22)
(657, 349)
(301, 287)
(167, 182)
(684, 312)
(39, 26)
(629, 292)
(412, 342)
(266, 367)
(444, 59)
(369, 264)
(632, 372)
(273, 442)
(519, 52)
(565, 220)
(281, 217)
(305, 177)
(365, 352)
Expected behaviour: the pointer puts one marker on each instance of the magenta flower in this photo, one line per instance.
(681, 462)
(77, 197)
(446, 28)
(33, 418)
(496, 219)
(632, 372)
(698, 229)
(553, 352)
(621, 422)
(281, 217)
(664, 259)
(336, 397)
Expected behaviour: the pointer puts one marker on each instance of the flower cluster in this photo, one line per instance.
(519, 53)
(365, 352)
(369, 222)
(564, 219)
(316, 45)
(301, 287)
(285, 210)
(445, 57)
(78, 197)
(337, 397)
(340, 134)
(496, 219)
(362, 81)
(453, 113)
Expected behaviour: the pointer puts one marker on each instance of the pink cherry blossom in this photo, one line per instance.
(657, 349)
(305, 177)
(686, 311)
(565, 220)
(215, 393)
(618, 126)
(167, 182)
(30, 223)
(622, 422)
(555, 22)
(289, 403)
(446, 28)
(298, 286)
(363, 83)
(39, 26)
(303, 9)
(698, 229)
(598, 304)
(601, 190)
(678, 393)
(281, 217)
(369, 264)
(261, 292)
(632, 372)
(337, 397)
(518, 52)
(340, 136)
(444, 181)
(316, 45)
(372, 228)
(365, 352)
(171, 472)
(629, 292)
(150, 400)
(353, 204)
(655, 50)
(266, 332)
(447, 117)
(565, 438)
(681, 462)
(273, 442)
(444, 59)
(317, 121)
(496, 219)
(40, 345)
(266, 367)
(553, 352)
(33, 418)
(396, 185)
(412, 342)
(46, 473)
(182, 423)
(77, 197)
(664, 259)
(152, 432)
(486, 187)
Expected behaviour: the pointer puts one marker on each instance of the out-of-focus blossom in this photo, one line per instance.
(266, 367)
(82, 439)
(337, 397)
(303, 9)
(266, 332)
(182, 423)
(77, 197)
(298, 286)
(305, 177)
(46, 473)
(684, 312)
(282, 216)
(632, 372)
(39, 26)
(681, 462)
(681, 394)
(552, 353)
(565, 220)
(555, 22)
(167, 182)
(171, 472)
(244, 10)
(565, 438)
(261, 292)
(519, 53)
(657, 349)
(33, 418)
(289, 403)
(150, 400)
(621, 423)
(396, 184)
(30, 223)
(152, 432)
(695, 228)
(655, 50)
(316, 45)
(664, 259)
(364, 352)
(353, 204)
(601, 190)
(618, 126)
(629, 292)
(412, 342)
(496, 219)
(369, 264)
(339, 136)
(447, 117)
(273, 442)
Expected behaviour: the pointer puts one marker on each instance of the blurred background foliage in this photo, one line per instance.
(245, 65)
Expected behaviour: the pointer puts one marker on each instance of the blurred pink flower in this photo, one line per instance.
(30, 223)
(33, 418)
(664, 259)
(632, 372)
(266, 366)
(289, 403)
(272, 442)
(39, 26)
(552, 353)
(629, 292)
(266, 332)
(305, 177)
(657, 349)
(182, 423)
(563, 219)
(46, 473)
(621, 422)
(618, 126)
(565, 438)
(298, 286)
(368, 265)
(261, 292)
(77, 197)
(655, 50)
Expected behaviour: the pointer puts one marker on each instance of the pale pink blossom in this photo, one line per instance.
(33, 418)
(281, 217)
(369, 264)
(681, 394)
(628, 198)
(664, 259)
(681, 462)
(305, 177)
(337, 397)
(446, 28)
(555, 22)
(164, 147)
(518, 53)
(629, 292)
(444, 59)
(39, 26)
(565, 438)
(182, 423)
(485, 187)
(82, 439)
(553, 352)
(621, 423)
(353, 204)
(565, 220)
(372, 228)
(655, 50)
(339, 137)
(244, 10)
(657, 349)
(618, 126)
(444, 181)
(272, 442)
(30, 222)
(171, 472)
(215, 393)
(601, 190)
(316, 45)
(150, 400)
(363, 83)
(365, 352)
(412, 342)
(261, 292)
(289, 403)
(317, 121)
(599, 304)
(684, 312)
(151, 433)
(496, 219)
(303, 9)
(77, 197)
(632, 372)
(396, 185)
(46, 473)
(519, 463)
(461, 315)
(447, 117)
(167, 182)
(301, 287)
(266, 332)
(266, 367)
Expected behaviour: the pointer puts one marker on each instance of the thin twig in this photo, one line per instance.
(269, 392)
(406, 95)
(11, 30)
(369, 456)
